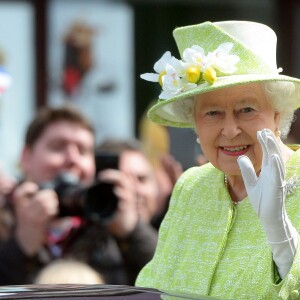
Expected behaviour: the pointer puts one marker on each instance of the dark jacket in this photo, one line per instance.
(118, 260)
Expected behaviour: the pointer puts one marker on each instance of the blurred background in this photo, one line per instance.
(90, 53)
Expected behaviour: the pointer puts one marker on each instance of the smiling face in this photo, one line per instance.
(227, 121)
(63, 147)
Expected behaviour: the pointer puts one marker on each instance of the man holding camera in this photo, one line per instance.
(34, 233)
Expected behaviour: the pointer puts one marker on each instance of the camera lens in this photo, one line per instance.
(97, 202)
(101, 202)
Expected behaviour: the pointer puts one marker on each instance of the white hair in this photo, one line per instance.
(281, 94)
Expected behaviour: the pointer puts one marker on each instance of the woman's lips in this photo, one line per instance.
(235, 150)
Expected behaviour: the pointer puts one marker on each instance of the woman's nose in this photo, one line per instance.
(230, 127)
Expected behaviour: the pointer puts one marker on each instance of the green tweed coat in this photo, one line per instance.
(209, 246)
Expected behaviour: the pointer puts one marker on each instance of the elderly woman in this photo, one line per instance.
(232, 227)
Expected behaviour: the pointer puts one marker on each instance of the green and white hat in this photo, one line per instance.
(213, 56)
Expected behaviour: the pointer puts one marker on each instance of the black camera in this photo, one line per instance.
(96, 202)
(106, 160)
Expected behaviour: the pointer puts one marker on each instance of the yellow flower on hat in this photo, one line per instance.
(178, 76)
(193, 74)
(210, 75)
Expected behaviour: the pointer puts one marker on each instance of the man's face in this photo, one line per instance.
(63, 147)
(136, 165)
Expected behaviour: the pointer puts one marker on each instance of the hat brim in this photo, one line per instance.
(164, 112)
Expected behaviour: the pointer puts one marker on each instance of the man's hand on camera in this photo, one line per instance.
(34, 209)
(125, 219)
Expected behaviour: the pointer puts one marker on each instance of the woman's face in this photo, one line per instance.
(227, 121)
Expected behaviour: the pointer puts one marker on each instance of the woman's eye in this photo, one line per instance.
(212, 113)
(247, 109)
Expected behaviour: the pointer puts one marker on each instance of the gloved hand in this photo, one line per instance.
(267, 195)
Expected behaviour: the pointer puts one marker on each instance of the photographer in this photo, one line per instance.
(62, 140)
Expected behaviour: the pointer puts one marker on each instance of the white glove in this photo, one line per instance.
(267, 195)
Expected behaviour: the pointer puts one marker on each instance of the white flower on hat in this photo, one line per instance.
(173, 83)
(194, 55)
(221, 60)
(160, 67)
(177, 76)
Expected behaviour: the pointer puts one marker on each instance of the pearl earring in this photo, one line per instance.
(197, 141)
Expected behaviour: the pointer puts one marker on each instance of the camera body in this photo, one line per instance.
(106, 160)
(96, 203)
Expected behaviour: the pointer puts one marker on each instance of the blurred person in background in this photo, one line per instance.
(155, 143)
(133, 164)
(61, 140)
